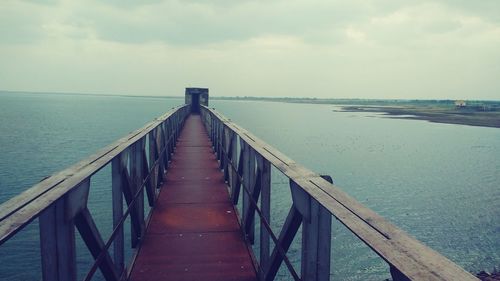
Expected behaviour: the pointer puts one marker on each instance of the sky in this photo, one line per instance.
(412, 49)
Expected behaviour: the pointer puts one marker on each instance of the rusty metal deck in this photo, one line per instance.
(194, 232)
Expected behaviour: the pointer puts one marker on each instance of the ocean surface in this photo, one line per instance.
(438, 182)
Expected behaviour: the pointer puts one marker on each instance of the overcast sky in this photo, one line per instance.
(297, 48)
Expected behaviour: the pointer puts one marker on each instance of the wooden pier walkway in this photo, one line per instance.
(194, 232)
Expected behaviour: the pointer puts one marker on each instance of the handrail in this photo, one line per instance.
(315, 201)
(60, 201)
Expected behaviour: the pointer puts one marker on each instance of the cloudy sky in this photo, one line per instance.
(296, 48)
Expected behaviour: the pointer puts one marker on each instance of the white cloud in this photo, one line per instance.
(382, 48)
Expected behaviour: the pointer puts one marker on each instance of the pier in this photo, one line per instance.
(192, 167)
(194, 232)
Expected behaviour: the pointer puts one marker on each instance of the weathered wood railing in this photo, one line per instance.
(60, 201)
(246, 161)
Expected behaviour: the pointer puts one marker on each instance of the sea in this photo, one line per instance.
(438, 182)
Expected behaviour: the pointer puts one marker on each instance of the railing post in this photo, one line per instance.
(265, 207)
(213, 124)
(235, 192)
(217, 139)
(234, 162)
(141, 164)
(136, 175)
(245, 161)
(251, 187)
(57, 243)
(223, 147)
(153, 166)
(174, 132)
(220, 141)
(166, 140)
(228, 153)
(174, 129)
(170, 139)
(316, 244)
(57, 234)
(148, 181)
(161, 156)
(117, 166)
(316, 235)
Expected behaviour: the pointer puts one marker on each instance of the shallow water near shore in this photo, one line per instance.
(438, 182)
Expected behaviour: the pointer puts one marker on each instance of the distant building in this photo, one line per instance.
(460, 103)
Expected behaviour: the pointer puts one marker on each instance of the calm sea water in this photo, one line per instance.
(438, 182)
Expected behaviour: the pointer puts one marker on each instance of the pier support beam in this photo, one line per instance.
(57, 243)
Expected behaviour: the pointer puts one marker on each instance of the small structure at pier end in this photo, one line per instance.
(196, 96)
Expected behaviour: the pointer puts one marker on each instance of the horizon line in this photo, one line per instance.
(238, 97)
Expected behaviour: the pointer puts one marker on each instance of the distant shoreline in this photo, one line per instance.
(463, 116)
(333, 101)
(356, 101)
(474, 113)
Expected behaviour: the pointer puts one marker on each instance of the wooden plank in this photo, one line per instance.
(92, 238)
(57, 244)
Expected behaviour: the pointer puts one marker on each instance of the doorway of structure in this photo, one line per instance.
(195, 104)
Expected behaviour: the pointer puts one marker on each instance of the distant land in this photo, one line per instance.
(466, 112)
(357, 101)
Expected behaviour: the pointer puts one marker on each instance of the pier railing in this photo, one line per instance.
(247, 160)
(138, 162)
